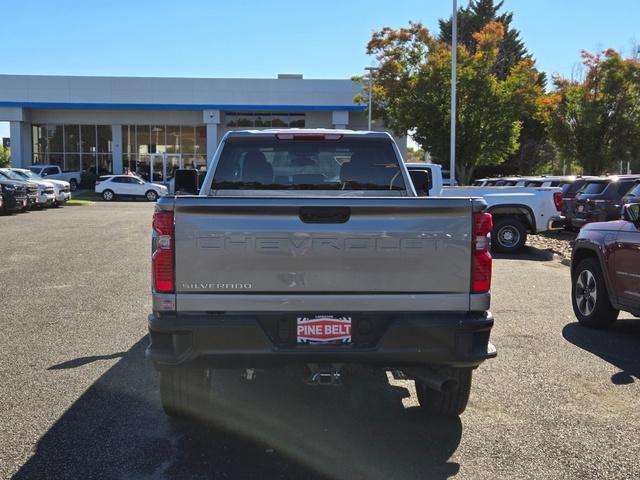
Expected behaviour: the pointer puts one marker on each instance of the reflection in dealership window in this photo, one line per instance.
(264, 120)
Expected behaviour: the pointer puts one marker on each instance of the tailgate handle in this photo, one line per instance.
(324, 214)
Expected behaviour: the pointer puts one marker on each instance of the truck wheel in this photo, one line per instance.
(108, 195)
(73, 185)
(589, 296)
(508, 235)
(446, 404)
(182, 392)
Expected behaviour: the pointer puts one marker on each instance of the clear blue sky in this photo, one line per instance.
(263, 38)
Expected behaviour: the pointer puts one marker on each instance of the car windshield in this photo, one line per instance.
(27, 174)
(593, 188)
(274, 164)
(12, 175)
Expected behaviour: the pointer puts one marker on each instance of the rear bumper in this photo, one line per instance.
(254, 340)
(556, 223)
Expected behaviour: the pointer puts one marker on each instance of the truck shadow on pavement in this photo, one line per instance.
(528, 253)
(619, 345)
(275, 426)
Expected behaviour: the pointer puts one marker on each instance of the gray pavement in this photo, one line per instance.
(78, 401)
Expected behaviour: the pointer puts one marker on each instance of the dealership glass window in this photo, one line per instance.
(264, 120)
(201, 140)
(72, 162)
(88, 138)
(88, 162)
(72, 147)
(158, 142)
(188, 140)
(173, 139)
(142, 139)
(72, 138)
(104, 137)
(39, 139)
(55, 137)
(56, 159)
(105, 163)
(140, 142)
(128, 139)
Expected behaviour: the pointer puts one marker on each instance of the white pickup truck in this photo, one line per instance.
(55, 172)
(517, 211)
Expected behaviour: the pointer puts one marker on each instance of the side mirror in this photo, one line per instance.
(186, 182)
(44, 174)
(422, 182)
(631, 213)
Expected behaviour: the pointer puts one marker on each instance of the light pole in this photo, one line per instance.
(370, 70)
(454, 76)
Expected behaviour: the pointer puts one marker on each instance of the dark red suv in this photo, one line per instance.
(605, 269)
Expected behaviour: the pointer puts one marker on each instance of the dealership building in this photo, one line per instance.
(152, 126)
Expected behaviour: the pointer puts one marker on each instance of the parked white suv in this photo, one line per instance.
(62, 189)
(112, 186)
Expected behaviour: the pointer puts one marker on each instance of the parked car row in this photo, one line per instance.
(111, 187)
(584, 199)
(21, 190)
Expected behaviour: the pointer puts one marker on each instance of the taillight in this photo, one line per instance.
(481, 258)
(162, 258)
(557, 199)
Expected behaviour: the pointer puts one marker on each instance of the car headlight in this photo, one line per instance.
(8, 188)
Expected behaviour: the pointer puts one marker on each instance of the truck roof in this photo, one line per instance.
(270, 132)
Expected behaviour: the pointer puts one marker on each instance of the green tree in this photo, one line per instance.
(5, 155)
(596, 121)
(534, 146)
(412, 92)
(415, 155)
(472, 19)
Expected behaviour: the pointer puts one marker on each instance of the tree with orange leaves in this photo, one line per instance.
(595, 121)
(411, 93)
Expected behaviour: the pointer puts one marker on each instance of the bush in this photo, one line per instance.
(88, 180)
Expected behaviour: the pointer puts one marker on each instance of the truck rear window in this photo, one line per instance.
(276, 164)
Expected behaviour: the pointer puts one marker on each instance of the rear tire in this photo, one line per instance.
(508, 235)
(183, 392)
(589, 296)
(108, 195)
(449, 404)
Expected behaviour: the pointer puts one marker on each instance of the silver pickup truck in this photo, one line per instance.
(311, 247)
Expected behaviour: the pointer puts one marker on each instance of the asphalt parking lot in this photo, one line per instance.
(78, 401)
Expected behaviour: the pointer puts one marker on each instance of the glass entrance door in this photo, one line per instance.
(157, 167)
(172, 162)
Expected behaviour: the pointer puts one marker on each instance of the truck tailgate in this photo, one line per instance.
(322, 245)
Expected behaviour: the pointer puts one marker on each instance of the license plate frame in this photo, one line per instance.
(324, 329)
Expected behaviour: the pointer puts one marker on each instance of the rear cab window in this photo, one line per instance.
(307, 164)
